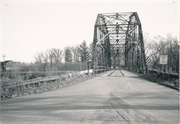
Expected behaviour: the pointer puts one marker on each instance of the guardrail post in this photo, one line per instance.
(38, 82)
(24, 87)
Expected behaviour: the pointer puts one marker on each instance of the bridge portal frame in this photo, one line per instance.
(118, 37)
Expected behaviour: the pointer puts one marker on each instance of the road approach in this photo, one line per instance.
(115, 97)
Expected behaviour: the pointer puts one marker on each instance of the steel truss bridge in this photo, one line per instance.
(118, 42)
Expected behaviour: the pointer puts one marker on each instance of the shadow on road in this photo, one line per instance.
(84, 103)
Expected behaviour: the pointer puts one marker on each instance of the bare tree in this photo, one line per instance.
(49, 59)
(163, 46)
(39, 57)
(39, 60)
(57, 56)
(75, 53)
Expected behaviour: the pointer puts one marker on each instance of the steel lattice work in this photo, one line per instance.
(118, 42)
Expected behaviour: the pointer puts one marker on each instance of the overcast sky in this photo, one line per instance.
(30, 27)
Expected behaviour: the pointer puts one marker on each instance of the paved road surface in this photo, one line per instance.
(115, 97)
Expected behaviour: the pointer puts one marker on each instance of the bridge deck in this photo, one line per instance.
(114, 97)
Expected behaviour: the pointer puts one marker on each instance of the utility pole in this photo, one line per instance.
(3, 57)
(4, 64)
(169, 56)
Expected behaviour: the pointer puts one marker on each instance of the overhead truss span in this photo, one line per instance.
(118, 42)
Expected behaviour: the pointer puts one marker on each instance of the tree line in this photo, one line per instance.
(71, 58)
(75, 57)
(158, 46)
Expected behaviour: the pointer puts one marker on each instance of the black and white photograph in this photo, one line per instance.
(89, 61)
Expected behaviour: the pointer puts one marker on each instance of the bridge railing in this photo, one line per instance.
(34, 81)
(38, 80)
